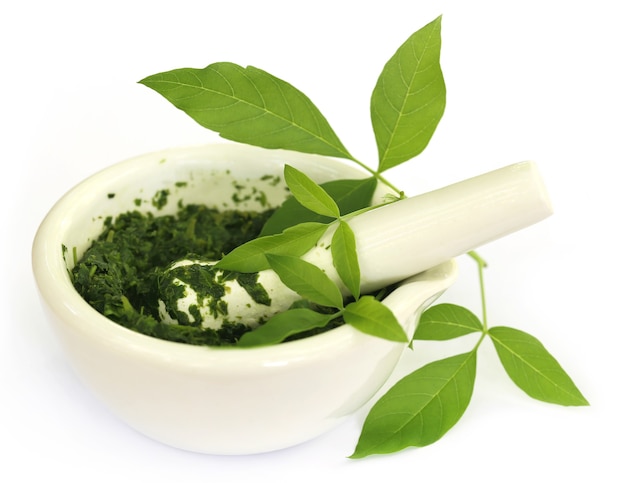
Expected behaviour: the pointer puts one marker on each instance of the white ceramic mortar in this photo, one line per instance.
(212, 400)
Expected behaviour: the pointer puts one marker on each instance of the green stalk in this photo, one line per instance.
(379, 177)
(481, 265)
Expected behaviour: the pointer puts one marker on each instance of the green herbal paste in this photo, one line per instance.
(118, 275)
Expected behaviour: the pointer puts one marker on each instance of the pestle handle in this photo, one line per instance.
(401, 239)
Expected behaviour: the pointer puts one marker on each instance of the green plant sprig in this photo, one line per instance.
(366, 313)
(425, 404)
(249, 105)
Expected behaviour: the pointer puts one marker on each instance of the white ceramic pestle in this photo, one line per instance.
(404, 238)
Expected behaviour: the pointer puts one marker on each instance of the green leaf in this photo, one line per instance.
(420, 408)
(374, 318)
(309, 194)
(409, 98)
(306, 280)
(446, 321)
(251, 256)
(533, 369)
(283, 325)
(249, 105)
(349, 194)
(345, 259)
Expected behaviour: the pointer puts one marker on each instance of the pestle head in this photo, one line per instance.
(194, 292)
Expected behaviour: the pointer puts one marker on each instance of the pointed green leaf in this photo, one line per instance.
(409, 98)
(533, 369)
(345, 259)
(283, 325)
(446, 321)
(374, 318)
(306, 280)
(420, 408)
(309, 194)
(251, 256)
(249, 105)
(349, 194)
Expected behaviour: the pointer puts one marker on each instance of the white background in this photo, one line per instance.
(539, 80)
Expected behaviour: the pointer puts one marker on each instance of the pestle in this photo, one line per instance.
(394, 241)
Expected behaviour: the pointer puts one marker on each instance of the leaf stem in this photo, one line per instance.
(384, 180)
(481, 265)
(482, 337)
(380, 178)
